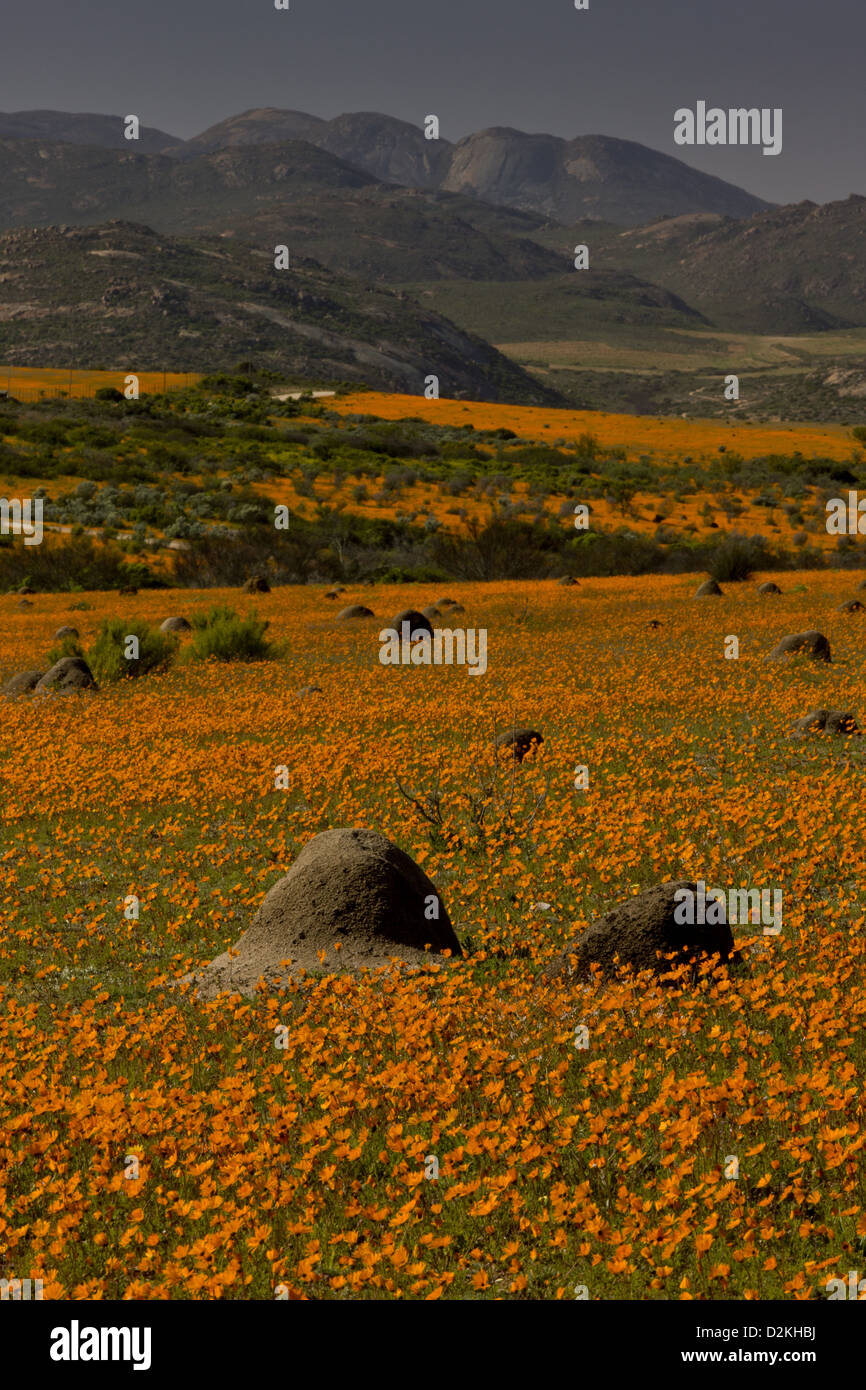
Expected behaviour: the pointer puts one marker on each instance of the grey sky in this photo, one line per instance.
(620, 68)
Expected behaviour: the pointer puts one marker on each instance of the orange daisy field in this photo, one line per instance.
(706, 1143)
(646, 433)
(36, 383)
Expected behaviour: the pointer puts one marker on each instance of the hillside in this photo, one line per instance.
(393, 235)
(565, 307)
(592, 176)
(66, 183)
(81, 128)
(291, 193)
(392, 150)
(785, 270)
(122, 295)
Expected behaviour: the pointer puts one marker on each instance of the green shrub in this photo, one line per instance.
(59, 565)
(107, 659)
(225, 636)
(224, 384)
(737, 557)
(587, 445)
(68, 646)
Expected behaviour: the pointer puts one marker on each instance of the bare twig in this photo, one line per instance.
(430, 807)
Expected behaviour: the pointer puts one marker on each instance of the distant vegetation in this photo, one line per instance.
(376, 499)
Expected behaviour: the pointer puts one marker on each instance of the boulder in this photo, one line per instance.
(65, 631)
(812, 644)
(445, 602)
(22, 683)
(709, 589)
(356, 610)
(851, 605)
(68, 674)
(567, 581)
(418, 622)
(431, 612)
(830, 721)
(352, 894)
(176, 624)
(519, 742)
(310, 690)
(24, 603)
(637, 931)
(455, 608)
(257, 584)
(769, 588)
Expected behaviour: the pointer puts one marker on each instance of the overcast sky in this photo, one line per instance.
(620, 68)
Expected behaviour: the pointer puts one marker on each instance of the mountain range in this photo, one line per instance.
(591, 176)
(483, 231)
